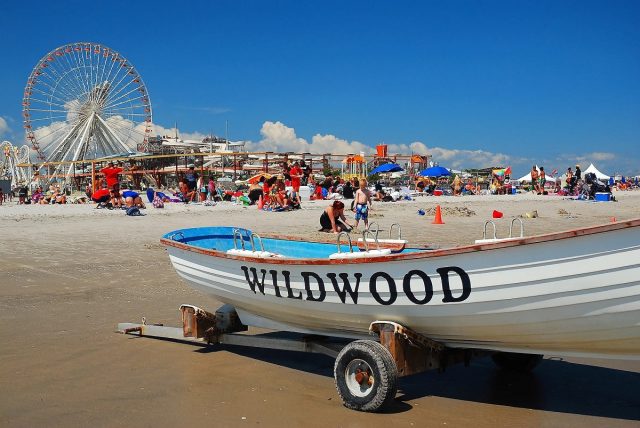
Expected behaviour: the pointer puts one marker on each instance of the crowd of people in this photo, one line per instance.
(281, 192)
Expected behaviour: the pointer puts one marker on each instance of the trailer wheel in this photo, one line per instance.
(366, 376)
(512, 361)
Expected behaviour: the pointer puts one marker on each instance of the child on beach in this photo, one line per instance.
(362, 204)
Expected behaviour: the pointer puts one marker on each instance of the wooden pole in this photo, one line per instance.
(93, 177)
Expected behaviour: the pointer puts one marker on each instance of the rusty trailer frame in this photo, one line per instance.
(365, 372)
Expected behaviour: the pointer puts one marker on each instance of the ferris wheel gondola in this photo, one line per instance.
(85, 101)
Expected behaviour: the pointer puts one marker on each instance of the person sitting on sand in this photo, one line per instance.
(347, 190)
(186, 194)
(294, 200)
(278, 194)
(362, 204)
(58, 197)
(37, 195)
(379, 196)
(256, 191)
(331, 217)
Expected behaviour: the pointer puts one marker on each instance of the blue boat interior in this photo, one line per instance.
(222, 239)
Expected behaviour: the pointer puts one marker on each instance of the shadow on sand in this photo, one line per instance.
(555, 386)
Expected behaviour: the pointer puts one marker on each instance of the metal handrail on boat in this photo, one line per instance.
(484, 232)
(399, 230)
(237, 233)
(349, 238)
(376, 230)
(364, 239)
(521, 227)
(253, 244)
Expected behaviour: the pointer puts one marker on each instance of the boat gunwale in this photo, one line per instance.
(426, 254)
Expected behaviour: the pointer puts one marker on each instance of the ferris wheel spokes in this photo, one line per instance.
(90, 102)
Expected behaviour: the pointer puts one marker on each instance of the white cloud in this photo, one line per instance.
(4, 126)
(278, 137)
(599, 156)
(454, 158)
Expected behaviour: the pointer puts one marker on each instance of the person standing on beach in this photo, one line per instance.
(211, 190)
(296, 176)
(111, 176)
(362, 204)
(570, 180)
(534, 178)
(578, 173)
(542, 179)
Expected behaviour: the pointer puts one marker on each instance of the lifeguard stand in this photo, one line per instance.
(417, 163)
(381, 150)
(354, 166)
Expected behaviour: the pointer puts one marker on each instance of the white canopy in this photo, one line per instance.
(528, 176)
(599, 175)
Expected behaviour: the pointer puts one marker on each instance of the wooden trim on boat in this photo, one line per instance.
(408, 256)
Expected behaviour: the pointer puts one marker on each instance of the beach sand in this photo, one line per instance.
(69, 274)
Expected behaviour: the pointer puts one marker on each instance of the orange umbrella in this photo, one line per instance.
(256, 178)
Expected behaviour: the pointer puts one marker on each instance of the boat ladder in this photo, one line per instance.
(495, 237)
(254, 251)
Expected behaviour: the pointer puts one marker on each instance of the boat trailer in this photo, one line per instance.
(366, 371)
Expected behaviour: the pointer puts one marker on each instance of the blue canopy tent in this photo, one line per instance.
(387, 167)
(435, 171)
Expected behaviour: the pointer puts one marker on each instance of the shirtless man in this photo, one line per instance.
(362, 204)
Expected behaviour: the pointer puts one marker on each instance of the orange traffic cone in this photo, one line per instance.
(438, 218)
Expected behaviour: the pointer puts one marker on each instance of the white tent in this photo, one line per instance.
(527, 177)
(599, 175)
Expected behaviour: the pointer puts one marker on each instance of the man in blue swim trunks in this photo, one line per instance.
(362, 200)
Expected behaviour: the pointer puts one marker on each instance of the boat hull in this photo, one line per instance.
(571, 294)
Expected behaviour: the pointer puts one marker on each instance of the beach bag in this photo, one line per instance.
(134, 211)
(157, 202)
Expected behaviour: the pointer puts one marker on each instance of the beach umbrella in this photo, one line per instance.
(435, 171)
(256, 178)
(387, 167)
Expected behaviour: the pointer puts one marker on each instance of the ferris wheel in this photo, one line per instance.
(10, 158)
(85, 101)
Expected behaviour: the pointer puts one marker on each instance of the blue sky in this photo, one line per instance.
(474, 83)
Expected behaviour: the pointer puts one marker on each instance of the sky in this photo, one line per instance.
(473, 83)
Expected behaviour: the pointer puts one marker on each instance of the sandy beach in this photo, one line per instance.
(69, 274)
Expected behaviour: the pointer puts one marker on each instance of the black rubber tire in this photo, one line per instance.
(514, 362)
(384, 371)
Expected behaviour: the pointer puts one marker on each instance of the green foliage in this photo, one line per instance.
(335, 172)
